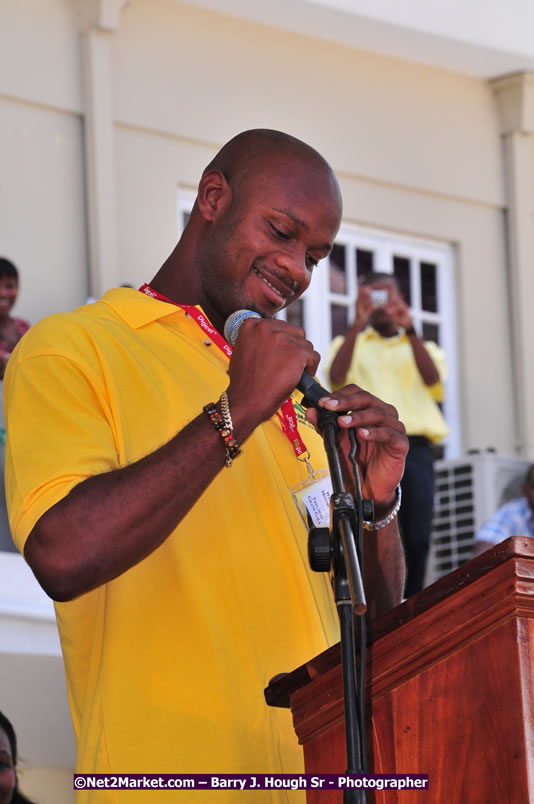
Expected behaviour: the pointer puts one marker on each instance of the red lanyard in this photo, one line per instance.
(288, 422)
(196, 315)
(286, 414)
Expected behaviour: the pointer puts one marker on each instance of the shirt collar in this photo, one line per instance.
(137, 309)
(371, 333)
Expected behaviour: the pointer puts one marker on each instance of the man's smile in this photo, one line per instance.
(280, 287)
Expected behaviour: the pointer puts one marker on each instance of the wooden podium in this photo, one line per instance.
(450, 689)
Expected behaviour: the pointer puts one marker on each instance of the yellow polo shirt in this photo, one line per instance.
(166, 665)
(386, 368)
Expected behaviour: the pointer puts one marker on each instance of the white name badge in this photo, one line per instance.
(312, 498)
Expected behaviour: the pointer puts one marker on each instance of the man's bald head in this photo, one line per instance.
(251, 154)
(267, 211)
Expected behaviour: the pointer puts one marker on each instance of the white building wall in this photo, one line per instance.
(39, 57)
(42, 207)
(472, 36)
(205, 77)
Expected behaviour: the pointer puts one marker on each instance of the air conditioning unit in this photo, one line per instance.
(468, 491)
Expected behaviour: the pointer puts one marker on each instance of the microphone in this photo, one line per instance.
(313, 391)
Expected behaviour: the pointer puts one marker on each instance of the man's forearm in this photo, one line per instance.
(384, 569)
(341, 363)
(110, 522)
(425, 365)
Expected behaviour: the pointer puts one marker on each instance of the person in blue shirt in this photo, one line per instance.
(514, 518)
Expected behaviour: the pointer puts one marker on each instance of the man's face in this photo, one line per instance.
(261, 252)
(7, 770)
(528, 489)
(9, 288)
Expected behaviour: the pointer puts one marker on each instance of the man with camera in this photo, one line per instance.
(382, 353)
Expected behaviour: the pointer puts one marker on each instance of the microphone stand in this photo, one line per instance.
(334, 550)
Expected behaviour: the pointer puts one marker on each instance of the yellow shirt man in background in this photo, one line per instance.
(382, 353)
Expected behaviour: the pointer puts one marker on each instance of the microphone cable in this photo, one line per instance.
(362, 678)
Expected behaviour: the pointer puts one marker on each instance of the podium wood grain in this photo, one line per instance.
(450, 689)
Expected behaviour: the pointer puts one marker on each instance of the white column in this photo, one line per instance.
(515, 102)
(99, 20)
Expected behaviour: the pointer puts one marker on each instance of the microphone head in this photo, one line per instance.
(234, 322)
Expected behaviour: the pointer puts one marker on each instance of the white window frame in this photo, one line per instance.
(386, 245)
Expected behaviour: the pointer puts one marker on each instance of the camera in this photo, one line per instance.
(379, 297)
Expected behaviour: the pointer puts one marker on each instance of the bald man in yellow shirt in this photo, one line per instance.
(382, 353)
(149, 476)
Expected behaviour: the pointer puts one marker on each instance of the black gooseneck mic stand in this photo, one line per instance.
(335, 550)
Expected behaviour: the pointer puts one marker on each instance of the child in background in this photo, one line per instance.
(11, 329)
(9, 787)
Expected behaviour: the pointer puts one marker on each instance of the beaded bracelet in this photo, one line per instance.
(389, 518)
(223, 425)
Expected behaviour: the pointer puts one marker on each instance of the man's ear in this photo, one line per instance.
(214, 194)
